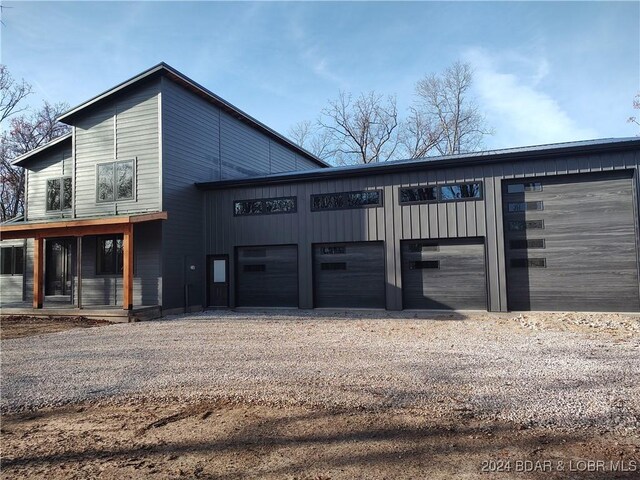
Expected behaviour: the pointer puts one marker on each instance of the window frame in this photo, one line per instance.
(289, 197)
(438, 191)
(114, 238)
(344, 195)
(61, 187)
(114, 163)
(12, 249)
(436, 188)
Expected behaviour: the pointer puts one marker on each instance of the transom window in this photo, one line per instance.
(115, 181)
(59, 194)
(109, 255)
(346, 200)
(265, 206)
(442, 193)
(11, 260)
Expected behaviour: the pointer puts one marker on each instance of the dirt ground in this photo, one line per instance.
(224, 440)
(16, 326)
(151, 439)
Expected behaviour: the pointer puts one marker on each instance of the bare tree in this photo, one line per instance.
(636, 106)
(363, 130)
(313, 138)
(26, 132)
(12, 93)
(444, 119)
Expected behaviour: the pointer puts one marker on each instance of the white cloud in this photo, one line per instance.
(516, 104)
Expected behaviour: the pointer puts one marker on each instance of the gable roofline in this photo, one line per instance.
(162, 69)
(534, 152)
(22, 159)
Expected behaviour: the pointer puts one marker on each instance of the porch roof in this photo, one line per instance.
(75, 227)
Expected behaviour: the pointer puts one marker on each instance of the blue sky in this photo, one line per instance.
(545, 71)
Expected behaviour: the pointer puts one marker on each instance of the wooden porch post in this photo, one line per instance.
(38, 269)
(79, 270)
(127, 267)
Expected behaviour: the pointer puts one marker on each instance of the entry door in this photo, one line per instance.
(218, 281)
(58, 268)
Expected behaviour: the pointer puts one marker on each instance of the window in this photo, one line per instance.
(424, 264)
(254, 268)
(460, 191)
(418, 195)
(333, 250)
(420, 247)
(333, 266)
(524, 244)
(444, 193)
(265, 206)
(114, 181)
(528, 262)
(255, 252)
(109, 255)
(524, 187)
(346, 200)
(522, 225)
(11, 260)
(524, 206)
(59, 193)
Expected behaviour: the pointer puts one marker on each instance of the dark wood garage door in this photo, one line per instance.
(267, 276)
(571, 244)
(349, 275)
(444, 274)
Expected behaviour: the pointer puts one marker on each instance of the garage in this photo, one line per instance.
(444, 274)
(570, 243)
(349, 275)
(267, 276)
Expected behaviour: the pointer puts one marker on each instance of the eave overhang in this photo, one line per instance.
(76, 227)
(56, 142)
(433, 163)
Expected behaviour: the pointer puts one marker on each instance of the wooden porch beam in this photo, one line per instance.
(38, 269)
(127, 268)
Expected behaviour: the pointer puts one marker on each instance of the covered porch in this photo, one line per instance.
(57, 250)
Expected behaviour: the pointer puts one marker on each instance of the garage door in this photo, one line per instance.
(444, 274)
(349, 275)
(267, 276)
(571, 244)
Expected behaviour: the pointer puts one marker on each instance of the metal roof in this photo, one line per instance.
(474, 158)
(37, 151)
(162, 69)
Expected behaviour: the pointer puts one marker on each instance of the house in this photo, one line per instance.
(167, 196)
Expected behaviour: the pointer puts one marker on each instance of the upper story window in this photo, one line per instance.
(59, 193)
(265, 206)
(11, 260)
(345, 200)
(114, 181)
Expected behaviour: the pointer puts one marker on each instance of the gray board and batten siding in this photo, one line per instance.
(202, 142)
(393, 223)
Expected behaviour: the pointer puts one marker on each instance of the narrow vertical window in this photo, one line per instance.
(59, 194)
(105, 183)
(53, 194)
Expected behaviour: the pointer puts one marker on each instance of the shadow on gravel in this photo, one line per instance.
(268, 442)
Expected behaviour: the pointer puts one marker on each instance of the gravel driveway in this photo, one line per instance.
(534, 369)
